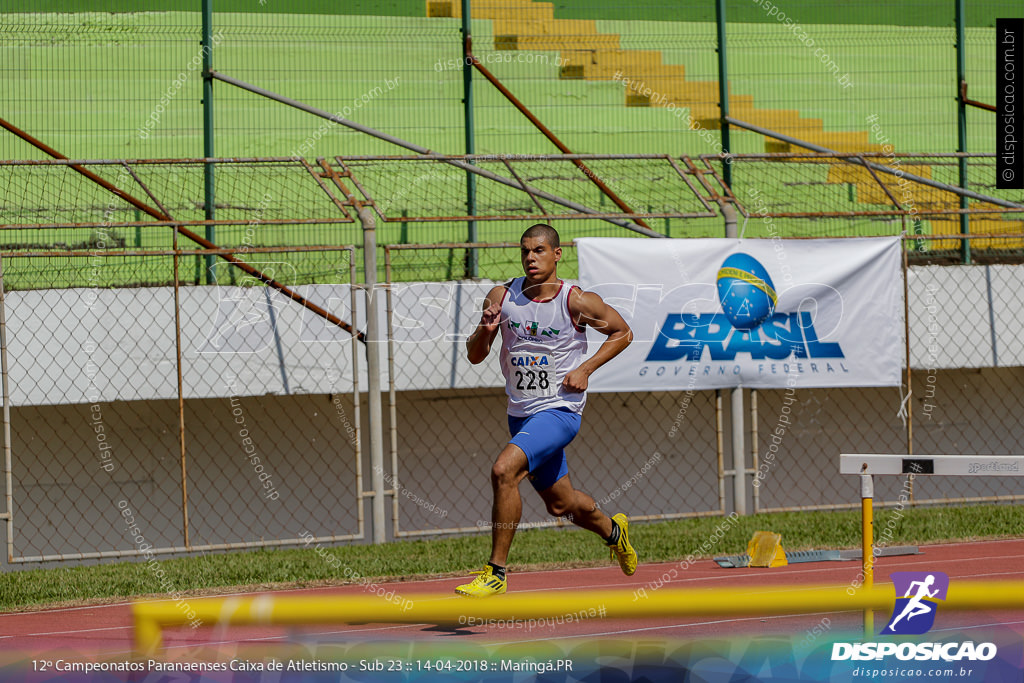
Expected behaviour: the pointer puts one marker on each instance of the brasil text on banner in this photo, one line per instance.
(717, 313)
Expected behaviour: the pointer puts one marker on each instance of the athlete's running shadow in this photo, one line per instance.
(450, 630)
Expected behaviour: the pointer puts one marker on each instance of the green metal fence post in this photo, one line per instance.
(723, 88)
(208, 194)
(472, 260)
(961, 113)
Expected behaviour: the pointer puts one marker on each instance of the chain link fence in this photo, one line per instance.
(170, 419)
(294, 202)
(962, 397)
(149, 414)
(810, 72)
(852, 78)
(872, 193)
(449, 416)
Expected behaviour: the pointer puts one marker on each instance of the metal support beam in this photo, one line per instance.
(179, 230)
(562, 147)
(739, 464)
(458, 163)
(208, 192)
(961, 125)
(723, 89)
(8, 479)
(962, 191)
(472, 257)
(373, 371)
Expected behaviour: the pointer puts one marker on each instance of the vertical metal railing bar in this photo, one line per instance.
(907, 350)
(720, 448)
(209, 196)
(753, 449)
(357, 440)
(181, 393)
(723, 86)
(177, 352)
(373, 338)
(392, 395)
(8, 513)
(469, 134)
(961, 124)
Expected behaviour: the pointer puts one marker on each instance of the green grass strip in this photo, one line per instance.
(533, 549)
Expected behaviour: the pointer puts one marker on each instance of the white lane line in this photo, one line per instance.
(444, 581)
(203, 644)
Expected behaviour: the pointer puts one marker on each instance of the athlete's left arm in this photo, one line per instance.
(590, 310)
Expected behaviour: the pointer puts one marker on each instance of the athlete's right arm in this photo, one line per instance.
(479, 343)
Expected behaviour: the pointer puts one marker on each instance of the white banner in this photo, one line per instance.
(757, 313)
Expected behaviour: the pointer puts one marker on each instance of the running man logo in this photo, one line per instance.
(914, 613)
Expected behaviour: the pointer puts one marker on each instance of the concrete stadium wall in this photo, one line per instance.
(644, 454)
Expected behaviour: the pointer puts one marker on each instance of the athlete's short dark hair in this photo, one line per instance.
(542, 231)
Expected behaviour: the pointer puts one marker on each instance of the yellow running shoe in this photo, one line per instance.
(623, 550)
(488, 584)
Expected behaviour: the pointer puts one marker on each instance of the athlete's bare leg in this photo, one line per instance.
(580, 509)
(509, 470)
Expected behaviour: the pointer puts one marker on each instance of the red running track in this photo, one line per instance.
(106, 631)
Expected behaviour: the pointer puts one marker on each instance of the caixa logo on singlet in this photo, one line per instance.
(748, 323)
(527, 361)
(532, 328)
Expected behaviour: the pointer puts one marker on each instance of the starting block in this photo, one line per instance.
(739, 561)
(765, 550)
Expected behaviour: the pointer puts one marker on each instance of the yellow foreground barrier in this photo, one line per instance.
(152, 617)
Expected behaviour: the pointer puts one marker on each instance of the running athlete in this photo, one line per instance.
(916, 606)
(542, 323)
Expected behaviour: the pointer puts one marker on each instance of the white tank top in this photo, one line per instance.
(540, 345)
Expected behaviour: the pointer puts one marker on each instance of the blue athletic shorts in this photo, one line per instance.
(543, 437)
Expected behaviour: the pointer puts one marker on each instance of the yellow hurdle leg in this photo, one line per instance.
(867, 495)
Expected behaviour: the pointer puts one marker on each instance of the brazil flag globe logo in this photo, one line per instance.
(746, 291)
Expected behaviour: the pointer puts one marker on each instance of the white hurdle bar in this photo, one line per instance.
(943, 465)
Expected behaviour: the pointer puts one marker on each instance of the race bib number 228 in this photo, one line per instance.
(532, 375)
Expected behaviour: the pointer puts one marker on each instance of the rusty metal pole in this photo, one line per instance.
(594, 178)
(8, 479)
(162, 216)
(634, 224)
(181, 394)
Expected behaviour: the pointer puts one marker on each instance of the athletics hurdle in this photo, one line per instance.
(868, 464)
